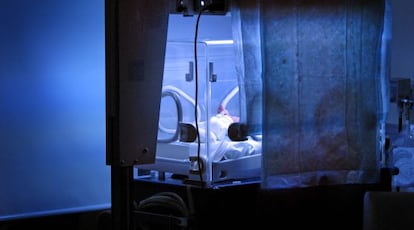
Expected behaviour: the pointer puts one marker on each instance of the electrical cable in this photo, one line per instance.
(229, 96)
(179, 108)
(200, 169)
(182, 94)
(177, 94)
(168, 204)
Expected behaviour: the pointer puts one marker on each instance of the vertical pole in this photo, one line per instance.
(121, 179)
(121, 176)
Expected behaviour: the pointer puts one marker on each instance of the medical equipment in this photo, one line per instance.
(220, 158)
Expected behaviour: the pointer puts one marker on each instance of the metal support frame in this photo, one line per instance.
(121, 178)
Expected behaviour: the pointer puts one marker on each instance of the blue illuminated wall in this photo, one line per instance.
(52, 107)
(402, 48)
(402, 54)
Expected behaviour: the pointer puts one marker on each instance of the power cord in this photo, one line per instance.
(163, 205)
(179, 108)
(199, 162)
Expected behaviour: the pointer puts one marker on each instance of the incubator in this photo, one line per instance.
(199, 136)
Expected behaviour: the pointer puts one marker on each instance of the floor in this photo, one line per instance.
(96, 220)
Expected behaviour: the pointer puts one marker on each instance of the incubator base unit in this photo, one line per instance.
(200, 133)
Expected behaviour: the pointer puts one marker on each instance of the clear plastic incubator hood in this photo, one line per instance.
(288, 93)
(200, 137)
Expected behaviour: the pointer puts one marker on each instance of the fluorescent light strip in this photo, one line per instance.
(219, 42)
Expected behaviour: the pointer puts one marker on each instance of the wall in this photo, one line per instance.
(402, 52)
(52, 108)
(402, 48)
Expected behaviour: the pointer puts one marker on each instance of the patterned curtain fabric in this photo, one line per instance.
(315, 80)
